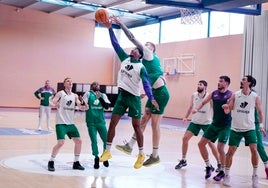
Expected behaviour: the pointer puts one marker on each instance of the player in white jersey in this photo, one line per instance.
(130, 77)
(243, 104)
(200, 120)
(65, 102)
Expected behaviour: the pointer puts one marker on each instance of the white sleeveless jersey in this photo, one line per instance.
(243, 113)
(65, 113)
(129, 77)
(203, 116)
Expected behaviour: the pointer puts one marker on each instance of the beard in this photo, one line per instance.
(241, 86)
(95, 89)
(200, 90)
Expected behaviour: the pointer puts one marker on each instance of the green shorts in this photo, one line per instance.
(161, 96)
(221, 133)
(126, 100)
(63, 129)
(249, 136)
(195, 128)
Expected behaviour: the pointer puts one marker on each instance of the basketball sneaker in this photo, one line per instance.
(106, 155)
(266, 171)
(139, 161)
(50, 166)
(77, 166)
(151, 161)
(96, 163)
(209, 170)
(181, 164)
(124, 148)
(255, 181)
(106, 163)
(219, 176)
(226, 181)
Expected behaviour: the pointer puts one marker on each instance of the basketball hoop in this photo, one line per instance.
(191, 16)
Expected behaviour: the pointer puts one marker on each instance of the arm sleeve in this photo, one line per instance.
(146, 84)
(36, 94)
(119, 51)
(114, 41)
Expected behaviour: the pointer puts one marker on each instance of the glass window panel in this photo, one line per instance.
(236, 23)
(143, 34)
(174, 30)
(223, 23)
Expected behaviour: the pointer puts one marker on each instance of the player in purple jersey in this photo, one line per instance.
(220, 127)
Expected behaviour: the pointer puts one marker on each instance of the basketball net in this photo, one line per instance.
(191, 16)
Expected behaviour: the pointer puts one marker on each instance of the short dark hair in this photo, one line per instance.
(203, 82)
(93, 83)
(252, 81)
(226, 79)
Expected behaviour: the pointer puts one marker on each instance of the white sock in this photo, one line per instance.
(76, 157)
(132, 141)
(52, 158)
(155, 152)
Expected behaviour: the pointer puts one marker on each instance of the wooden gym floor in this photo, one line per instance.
(24, 158)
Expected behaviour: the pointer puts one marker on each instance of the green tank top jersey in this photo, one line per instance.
(153, 68)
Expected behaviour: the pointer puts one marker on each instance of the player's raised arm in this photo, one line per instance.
(128, 33)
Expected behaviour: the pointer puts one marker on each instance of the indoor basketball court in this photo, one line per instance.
(54, 39)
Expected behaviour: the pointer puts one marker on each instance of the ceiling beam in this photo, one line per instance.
(117, 3)
(147, 8)
(229, 4)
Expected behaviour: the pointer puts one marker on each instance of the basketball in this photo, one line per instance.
(101, 15)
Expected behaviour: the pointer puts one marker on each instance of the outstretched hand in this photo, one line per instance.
(108, 23)
(115, 19)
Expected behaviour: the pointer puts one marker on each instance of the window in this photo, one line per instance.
(102, 38)
(222, 23)
(174, 30)
(143, 34)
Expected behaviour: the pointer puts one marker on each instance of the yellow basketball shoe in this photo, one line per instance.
(106, 155)
(140, 160)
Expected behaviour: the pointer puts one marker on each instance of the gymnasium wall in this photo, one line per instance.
(37, 46)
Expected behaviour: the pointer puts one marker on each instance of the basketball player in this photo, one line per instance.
(95, 120)
(219, 128)
(259, 132)
(200, 121)
(65, 101)
(43, 95)
(160, 92)
(131, 74)
(243, 104)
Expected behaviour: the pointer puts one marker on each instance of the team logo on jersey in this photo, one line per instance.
(129, 67)
(68, 103)
(243, 104)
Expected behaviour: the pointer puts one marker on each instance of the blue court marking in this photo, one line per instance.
(8, 131)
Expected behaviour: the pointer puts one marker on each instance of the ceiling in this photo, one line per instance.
(135, 12)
